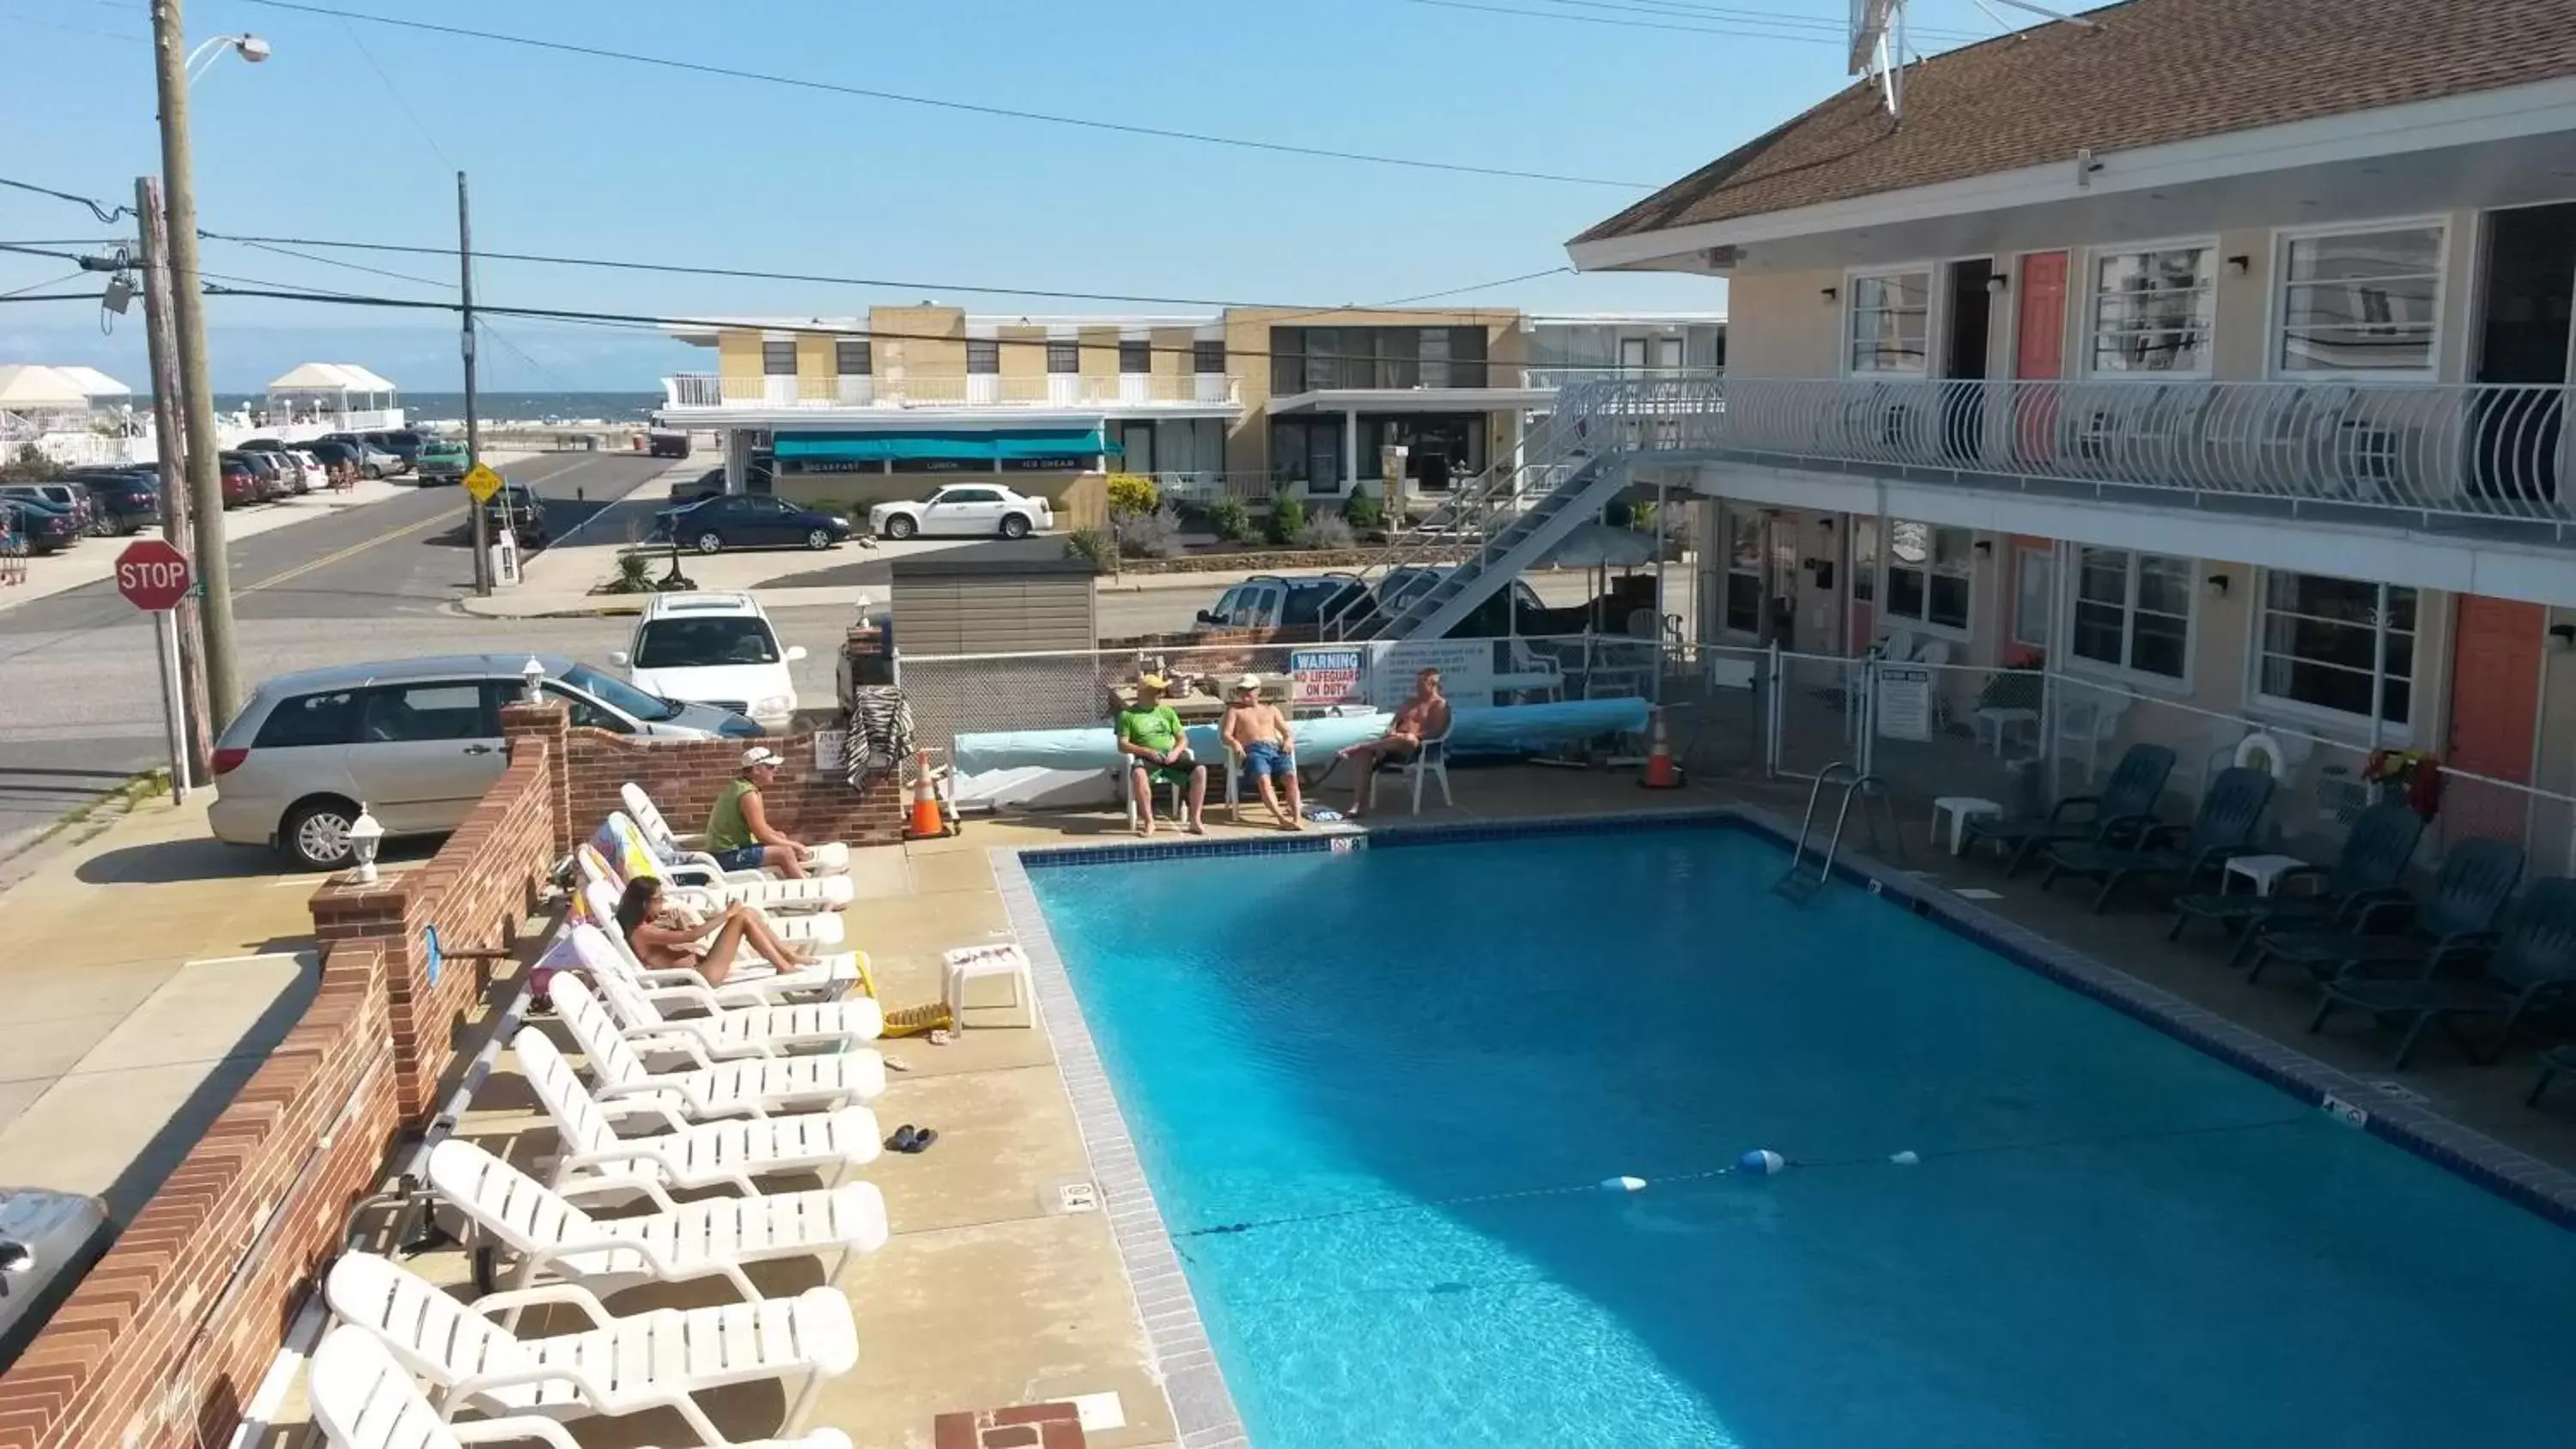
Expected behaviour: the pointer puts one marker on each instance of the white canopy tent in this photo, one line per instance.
(315, 390)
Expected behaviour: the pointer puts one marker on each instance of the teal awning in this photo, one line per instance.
(968, 446)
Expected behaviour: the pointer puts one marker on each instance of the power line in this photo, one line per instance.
(1812, 39)
(21, 292)
(1126, 128)
(1838, 30)
(105, 213)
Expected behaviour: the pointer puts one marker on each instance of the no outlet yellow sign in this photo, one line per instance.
(481, 483)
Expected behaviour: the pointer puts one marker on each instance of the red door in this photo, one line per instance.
(2495, 700)
(2039, 353)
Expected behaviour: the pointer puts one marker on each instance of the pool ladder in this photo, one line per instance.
(1797, 883)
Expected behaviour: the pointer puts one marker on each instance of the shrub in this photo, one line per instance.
(31, 465)
(1095, 545)
(1149, 535)
(634, 573)
(1228, 519)
(1132, 495)
(1193, 515)
(1328, 531)
(1287, 521)
(1364, 511)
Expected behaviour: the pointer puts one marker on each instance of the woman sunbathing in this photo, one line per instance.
(665, 937)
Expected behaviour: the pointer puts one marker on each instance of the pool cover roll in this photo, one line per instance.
(1500, 729)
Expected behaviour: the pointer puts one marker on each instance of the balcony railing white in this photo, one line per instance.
(903, 387)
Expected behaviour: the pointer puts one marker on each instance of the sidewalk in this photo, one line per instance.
(151, 969)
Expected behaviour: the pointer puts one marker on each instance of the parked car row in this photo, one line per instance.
(960, 510)
(88, 502)
(1351, 608)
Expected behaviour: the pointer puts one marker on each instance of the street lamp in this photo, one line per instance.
(250, 47)
(533, 674)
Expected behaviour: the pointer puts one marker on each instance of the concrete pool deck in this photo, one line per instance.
(995, 1292)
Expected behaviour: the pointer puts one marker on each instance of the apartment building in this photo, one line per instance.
(1249, 401)
(2212, 351)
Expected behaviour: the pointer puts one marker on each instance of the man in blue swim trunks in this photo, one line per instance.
(1261, 735)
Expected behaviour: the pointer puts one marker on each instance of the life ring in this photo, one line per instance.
(2259, 751)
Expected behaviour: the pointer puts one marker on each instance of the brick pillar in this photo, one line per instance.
(380, 915)
(548, 727)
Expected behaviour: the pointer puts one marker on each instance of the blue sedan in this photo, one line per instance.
(748, 520)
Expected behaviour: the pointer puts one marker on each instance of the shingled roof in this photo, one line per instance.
(2148, 72)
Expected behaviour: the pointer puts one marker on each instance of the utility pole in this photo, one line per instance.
(196, 394)
(170, 452)
(473, 424)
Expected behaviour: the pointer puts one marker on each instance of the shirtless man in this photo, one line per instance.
(1423, 717)
(1260, 733)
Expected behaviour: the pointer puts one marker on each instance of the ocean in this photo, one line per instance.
(496, 407)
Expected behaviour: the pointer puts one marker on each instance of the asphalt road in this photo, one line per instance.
(80, 698)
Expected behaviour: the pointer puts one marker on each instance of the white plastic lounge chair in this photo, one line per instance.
(830, 857)
(595, 1161)
(724, 1033)
(364, 1399)
(753, 1087)
(710, 1238)
(660, 1359)
(812, 928)
(752, 979)
(751, 887)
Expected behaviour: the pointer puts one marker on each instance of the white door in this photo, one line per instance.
(957, 512)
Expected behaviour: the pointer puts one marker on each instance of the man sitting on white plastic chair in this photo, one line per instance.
(739, 834)
(1422, 718)
(1259, 742)
(1155, 750)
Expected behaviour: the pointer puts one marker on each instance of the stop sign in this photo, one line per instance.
(152, 575)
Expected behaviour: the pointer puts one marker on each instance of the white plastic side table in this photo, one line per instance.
(1960, 809)
(2264, 871)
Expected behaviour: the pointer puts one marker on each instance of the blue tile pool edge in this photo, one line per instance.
(1203, 1411)
(2515, 1176)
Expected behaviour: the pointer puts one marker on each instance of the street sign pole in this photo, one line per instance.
(174, 709)
(155, 577)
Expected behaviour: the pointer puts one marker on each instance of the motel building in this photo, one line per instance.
(1251, 403)
(2210, 358)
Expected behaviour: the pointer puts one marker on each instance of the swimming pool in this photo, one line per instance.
(1375, 1092)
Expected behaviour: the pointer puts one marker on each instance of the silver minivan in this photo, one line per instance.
(415, 743)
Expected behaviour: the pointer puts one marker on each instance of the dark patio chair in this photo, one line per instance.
(2223, 828)
(2553, 1061)
(2530, 967)
(2374, 858)
(2391, 936)
(2124, 810)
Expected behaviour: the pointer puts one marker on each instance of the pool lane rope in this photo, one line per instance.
(1757, 1162)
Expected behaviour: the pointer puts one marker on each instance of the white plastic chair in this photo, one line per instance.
(753, 1087)
(815, 928)
(2084, 725)
(660, 1359)
(748, 887)
(710, 1238)
(724, 1033)
(751, 981)
(830, 857)
(1432, 760)
(595, 1161)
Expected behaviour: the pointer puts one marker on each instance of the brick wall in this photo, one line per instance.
(683, 777)
(162, 1344)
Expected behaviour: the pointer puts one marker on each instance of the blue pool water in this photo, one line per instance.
(2111, 1238)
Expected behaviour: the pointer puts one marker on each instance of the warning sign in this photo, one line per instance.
(1320, 678)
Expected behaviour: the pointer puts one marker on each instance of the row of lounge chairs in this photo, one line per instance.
(681, 1087)
(2471, 947)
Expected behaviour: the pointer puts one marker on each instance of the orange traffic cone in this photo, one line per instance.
(1661, 772)
(927, 823)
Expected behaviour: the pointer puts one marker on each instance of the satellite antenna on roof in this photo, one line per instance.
(1878, 42)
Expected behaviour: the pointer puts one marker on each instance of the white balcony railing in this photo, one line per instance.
(903, 387)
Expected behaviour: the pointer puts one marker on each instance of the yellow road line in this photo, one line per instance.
(389, 536)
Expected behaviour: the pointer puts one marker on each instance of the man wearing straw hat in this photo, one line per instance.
(1158, 751)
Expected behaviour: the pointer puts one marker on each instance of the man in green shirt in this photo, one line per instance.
(1158, 753)
(739, 834)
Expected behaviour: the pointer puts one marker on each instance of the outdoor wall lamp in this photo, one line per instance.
(2239, 266)
(2564, 635)
(532, 674)
(1985, 548)
(1997, 284)
(366, 837)
(2218, 585)
(1830, 293)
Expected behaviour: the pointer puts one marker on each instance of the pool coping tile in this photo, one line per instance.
(1194, 1381)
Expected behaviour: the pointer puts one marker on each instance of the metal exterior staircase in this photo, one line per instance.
(1507, 517)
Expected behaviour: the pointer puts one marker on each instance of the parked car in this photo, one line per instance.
(759, 477)
(290, 471)
(316, 473)
(716, 649)
(128, 500)
(518, 512)
(372, 461)
(270, 473)
(1274, 601)
(338, 459)
(402, 443)
(68, 496)
(441, 460)
(964, 510)
(47, 529)
(747, 520)
(418, 741)
(241, 485)
(667, 445)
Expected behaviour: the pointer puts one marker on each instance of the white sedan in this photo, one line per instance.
(964, 510)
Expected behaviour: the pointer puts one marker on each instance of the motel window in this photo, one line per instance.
(1207, 355)
(1743, 571)
(983, 356)
(2133, 611)
(1135, 354)
(1928, 574)
(778, 357)
(2362, 302)
(2034, 596)
(2152, 310)
(1064, 357)
(1891, 322)
(1864, 563)
(2316, 638)
(851, 356)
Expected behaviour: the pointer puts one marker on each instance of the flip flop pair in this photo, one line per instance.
(908, 1138)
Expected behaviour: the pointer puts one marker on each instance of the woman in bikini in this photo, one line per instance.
(666, 938)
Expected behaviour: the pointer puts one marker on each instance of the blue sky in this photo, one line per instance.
(354, 131)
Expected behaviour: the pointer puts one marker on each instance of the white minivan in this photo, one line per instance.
(716, 649)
